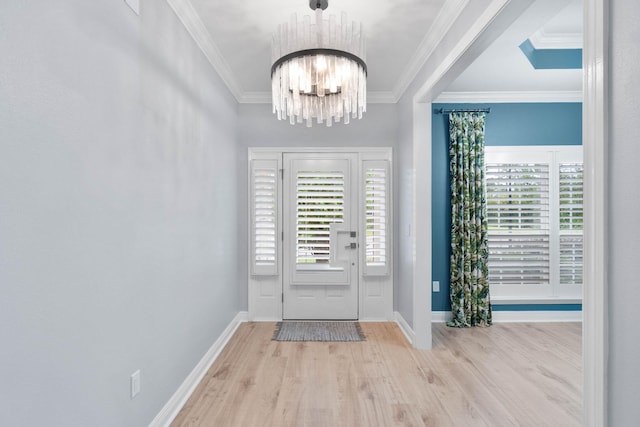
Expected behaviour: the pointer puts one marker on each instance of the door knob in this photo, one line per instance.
(352, 245)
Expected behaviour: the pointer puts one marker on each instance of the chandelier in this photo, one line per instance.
(318, 69)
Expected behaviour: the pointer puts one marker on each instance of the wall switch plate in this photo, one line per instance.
(436, 286)
(135, 383)
(134, 5)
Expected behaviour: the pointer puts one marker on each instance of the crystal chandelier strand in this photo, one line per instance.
(319, 70)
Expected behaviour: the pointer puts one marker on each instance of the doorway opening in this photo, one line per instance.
(320, 234)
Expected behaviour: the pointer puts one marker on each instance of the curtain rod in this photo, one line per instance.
(473, 110)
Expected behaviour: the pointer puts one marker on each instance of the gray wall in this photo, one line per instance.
(118, 220)
(259, 127)
(624, 211)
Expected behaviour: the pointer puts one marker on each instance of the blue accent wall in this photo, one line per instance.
(537, 307)
(508, 124)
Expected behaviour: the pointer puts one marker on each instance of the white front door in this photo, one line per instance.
(320, 279)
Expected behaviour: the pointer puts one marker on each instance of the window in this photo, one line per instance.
(534, 216)
(376, 204)
(570, 193)
(319, 203)
(319, 197)
(376, 198)
(264, 198)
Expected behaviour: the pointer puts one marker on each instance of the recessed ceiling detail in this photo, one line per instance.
(542, 39)
(552, 59)
(503, 72)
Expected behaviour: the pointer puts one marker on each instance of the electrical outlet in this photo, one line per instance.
(436, 286)
(135, 383)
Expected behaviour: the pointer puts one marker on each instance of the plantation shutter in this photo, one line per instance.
(518, 223)
(571, 226)
(264, 216)
(376, 212)
(320, 203)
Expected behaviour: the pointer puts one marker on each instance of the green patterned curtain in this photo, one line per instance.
(469, 282)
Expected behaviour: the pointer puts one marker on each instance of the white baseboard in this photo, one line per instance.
(440, 316)
(376, 319)
(520, 316)
(404, 327)
(180, 397)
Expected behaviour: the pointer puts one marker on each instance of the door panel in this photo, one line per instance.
(320, 249)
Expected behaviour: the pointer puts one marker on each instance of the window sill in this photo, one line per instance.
(547, 300)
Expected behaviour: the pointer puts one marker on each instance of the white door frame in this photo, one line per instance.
(595, 125)
(375, 288)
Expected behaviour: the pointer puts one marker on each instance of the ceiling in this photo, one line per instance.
(236, 37)
(503, 67)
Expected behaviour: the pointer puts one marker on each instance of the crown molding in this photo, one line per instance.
(196, 28)
(443, 22)
(510, 96)
(543, 40)
(441, 26)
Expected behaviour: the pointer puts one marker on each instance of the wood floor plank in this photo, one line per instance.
(505, 375)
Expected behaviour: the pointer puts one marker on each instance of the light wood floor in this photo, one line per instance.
(505, 375)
